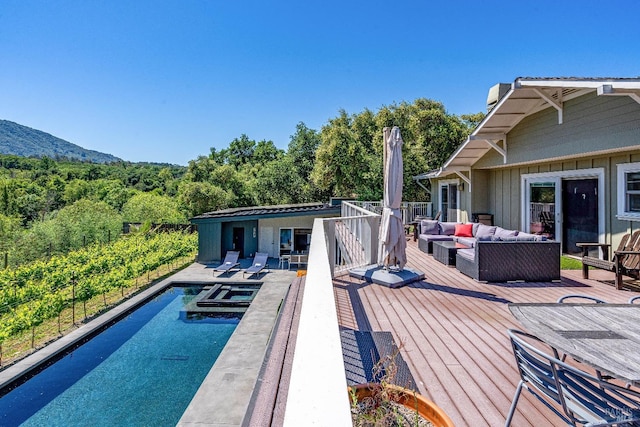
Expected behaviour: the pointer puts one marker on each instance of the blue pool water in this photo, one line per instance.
(142, 371)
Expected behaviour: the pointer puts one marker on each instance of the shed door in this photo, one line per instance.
(238, 240)
(266, 242)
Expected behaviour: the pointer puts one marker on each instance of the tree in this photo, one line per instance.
(154, 208)
(265, 152)
(200, 197)
(240, 151)
(342, 159)
(278, 183)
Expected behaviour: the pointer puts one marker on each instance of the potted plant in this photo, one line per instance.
(383, 403)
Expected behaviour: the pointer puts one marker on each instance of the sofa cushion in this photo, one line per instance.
(485, 231)
(534, 237)
(469, 254)
(428, 226)
(448, 228)
(435, 237)
(463, 230)
(501, 233)
(467, 241)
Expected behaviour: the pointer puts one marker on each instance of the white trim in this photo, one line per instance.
(621, 171)
(568, 83)
(597, 173)
(447, 182)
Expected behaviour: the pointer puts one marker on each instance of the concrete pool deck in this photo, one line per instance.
(224, 395)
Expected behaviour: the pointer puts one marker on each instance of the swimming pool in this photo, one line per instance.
(143, 370)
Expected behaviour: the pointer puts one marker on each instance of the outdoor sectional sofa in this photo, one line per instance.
(494, 254)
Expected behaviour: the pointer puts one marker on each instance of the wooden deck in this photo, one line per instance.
(453, 334)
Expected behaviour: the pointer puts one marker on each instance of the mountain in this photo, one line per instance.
(27, 142)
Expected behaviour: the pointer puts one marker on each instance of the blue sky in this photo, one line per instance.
(164, 81)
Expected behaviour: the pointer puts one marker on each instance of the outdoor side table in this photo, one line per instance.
(445, 251)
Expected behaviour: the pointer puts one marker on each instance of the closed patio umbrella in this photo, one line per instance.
(393, 244)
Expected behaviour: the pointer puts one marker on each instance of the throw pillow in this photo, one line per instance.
(428, 226)
(463, 230)
(485, 231)
(447, 228)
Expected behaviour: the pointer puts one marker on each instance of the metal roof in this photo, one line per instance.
(527, 96)
(271, 211)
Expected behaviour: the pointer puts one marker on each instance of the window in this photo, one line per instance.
(629, 191)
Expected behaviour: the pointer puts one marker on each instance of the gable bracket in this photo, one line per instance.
(465, 178)
(610, 90)
(555, 104)
(492, 140)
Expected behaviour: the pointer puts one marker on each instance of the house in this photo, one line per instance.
(276, 230)
(553, 156)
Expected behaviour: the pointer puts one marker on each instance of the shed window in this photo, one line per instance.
(629, 191)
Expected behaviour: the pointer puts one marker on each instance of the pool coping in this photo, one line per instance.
(248, 343)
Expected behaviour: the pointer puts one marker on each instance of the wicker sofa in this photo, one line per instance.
(495, 254)
(505, 261)
(434, 231)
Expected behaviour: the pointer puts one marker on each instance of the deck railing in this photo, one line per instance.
(352, 239)
(337, 244)
(410, 210)
(318, 388)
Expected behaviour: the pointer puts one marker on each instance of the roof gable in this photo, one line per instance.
(529, 95)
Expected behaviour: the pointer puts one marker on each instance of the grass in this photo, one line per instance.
(568, 263)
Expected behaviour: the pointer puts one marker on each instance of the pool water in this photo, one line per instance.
(142, 371)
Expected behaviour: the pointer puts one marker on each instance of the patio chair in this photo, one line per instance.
(592, 401)
(537, 374)
(582, 397)
(625, 261)
(230, 261)
(260, 262)
(589, 298)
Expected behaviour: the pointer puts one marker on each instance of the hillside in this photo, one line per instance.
(25, 141)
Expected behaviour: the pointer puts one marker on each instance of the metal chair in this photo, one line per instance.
(575, 396)
(537, 374)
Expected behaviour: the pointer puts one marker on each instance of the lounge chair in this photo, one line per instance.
(626, 259)
(259, 264)
(230, 261)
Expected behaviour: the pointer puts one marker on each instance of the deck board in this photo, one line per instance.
(453, 334)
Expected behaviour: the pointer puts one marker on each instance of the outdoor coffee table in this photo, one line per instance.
(445, 251)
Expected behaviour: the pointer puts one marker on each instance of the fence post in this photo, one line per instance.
(73, 297)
